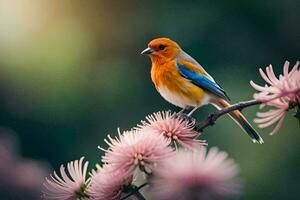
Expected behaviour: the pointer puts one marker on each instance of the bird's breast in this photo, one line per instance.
(175, 88)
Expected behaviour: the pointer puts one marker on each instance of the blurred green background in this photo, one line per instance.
(71, 73)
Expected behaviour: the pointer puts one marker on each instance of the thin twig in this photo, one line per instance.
(212, 118)
(141, 186)
(135, 191)
(139, 196)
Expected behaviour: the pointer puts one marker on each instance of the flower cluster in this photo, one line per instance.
(139, 150)
(281, 93)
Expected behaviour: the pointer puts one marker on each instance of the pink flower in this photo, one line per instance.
(286, 86)
(195, 175)
(135, 149)
(67, 187)
(107, 183)
(282, 93)
(173, 127)
(272, 116)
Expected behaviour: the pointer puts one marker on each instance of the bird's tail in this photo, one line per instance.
(239, 118)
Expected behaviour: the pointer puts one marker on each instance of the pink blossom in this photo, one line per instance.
(272, 116)
(279, 93)
(67, 187)
(136, 149)
(107, 183)
(173, 127)
(286, 86)
(195, 175)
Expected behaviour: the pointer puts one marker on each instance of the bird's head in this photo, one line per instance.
(162, 48)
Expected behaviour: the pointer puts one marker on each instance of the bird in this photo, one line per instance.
(183, 82)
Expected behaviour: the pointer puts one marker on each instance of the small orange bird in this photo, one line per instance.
(182, 81)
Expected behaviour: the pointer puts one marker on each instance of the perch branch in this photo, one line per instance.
(212, 118)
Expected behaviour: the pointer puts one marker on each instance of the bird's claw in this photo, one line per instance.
(185, 117)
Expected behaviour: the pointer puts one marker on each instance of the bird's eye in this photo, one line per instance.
(161, 47)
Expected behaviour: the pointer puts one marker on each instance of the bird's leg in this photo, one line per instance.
(184, 109)
(192, 111)
(183, 115)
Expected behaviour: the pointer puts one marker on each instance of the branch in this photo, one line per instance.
(212, 118)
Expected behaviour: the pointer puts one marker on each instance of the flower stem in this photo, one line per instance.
(134, 190)
(139, 196)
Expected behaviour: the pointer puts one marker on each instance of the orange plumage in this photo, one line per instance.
(167, 78)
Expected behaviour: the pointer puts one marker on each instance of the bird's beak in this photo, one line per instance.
(147, 51)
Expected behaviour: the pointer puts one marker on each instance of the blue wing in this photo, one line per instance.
(202, 81)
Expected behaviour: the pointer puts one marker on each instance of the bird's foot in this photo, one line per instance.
(185, 109)
(185, 117)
